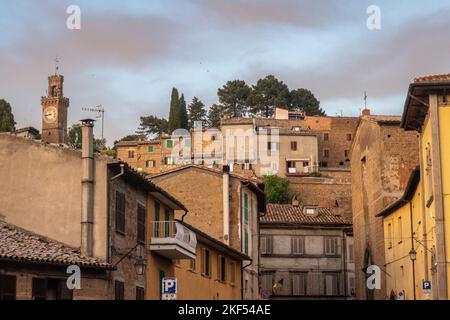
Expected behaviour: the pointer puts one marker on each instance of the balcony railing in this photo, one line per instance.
(173, 240)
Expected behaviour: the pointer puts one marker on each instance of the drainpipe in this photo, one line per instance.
(423, 208)
(226, 204)
(87, 187)
(412, 247)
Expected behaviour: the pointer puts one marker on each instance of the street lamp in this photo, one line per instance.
(140, 266)
(413, 254)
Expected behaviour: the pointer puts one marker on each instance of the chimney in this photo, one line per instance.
(366, 112)
(87, 187)
(226, 204)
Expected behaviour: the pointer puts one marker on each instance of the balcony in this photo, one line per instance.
(173, 240)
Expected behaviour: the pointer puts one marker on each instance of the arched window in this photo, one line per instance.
(54, 91)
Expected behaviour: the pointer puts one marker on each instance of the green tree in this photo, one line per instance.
(277, 190)
(268, 94)
(214, 116)
(75, 139)
(197, 112)
(233, 96)
(174, 114)
(133, 137)
(304, 100)
(7, 123)
(184, 120)
(152, 125)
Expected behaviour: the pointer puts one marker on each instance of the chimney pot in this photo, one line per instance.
(366, 112)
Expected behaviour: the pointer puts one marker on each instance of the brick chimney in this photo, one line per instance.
(87, 187)
(365, 112)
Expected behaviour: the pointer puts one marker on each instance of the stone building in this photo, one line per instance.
(223, 205)
(306, 253)
(382, 159)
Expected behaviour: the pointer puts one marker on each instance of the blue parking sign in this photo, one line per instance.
(169, 288)
(426, 285)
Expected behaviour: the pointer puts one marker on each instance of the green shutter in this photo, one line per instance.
(167, 224)
(156, 219)
(169, 143)
(245, 208)
(150, 149)
(246, 242)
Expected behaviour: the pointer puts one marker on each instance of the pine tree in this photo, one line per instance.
(174, 115)
(183, 113)
(233, 96)
(269, 93)
(214, 116)
(197, 112)
(304, 100)
(7, 123)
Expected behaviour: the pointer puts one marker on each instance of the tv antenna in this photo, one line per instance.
(100, 113)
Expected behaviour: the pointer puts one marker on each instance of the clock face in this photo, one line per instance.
(50, 114)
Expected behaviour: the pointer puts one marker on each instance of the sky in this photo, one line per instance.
(128, 55)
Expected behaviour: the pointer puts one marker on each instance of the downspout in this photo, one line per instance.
(226, 204)
(242, 278)
(87, 187)
(422, 202)
(344, 253)
(412, 248)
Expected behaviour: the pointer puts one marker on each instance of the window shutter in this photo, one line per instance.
(7, 288)
(294, 245)
(270, 245)
(65, 293)
(141, 223)
(264, 245)
(296, 284)
(119, 290)
(39, 289)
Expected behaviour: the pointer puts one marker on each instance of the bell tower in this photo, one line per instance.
(54, 111)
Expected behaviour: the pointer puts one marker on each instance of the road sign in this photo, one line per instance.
(265, 294)
(169, 289)
(426, 285)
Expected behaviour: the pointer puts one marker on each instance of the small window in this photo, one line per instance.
(266, 244)
(400, 230)
(169, 144)
(299, 284)
(332, 284)
(221, 269)
(298, 245)
(341, 163)
(232, 273)
(389, 232)
(324, 164)
(331, 246)
(119, 290)
(140, 293)
(192, 265)
(349, 137)
(120, 212)
(346, 153)
(267, 281)
(141, 223)
(150, 163)
(245, 208)
(326, 137)
(310, 211)
(246, 242)
(351, 254)
(150, 149)
(168, 161)
(294, 145)
(326, 153)
(130, 154)
(213, 137)
(206, 263)
(269, 145)
(7, 287)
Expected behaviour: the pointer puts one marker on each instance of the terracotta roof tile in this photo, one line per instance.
(433, 78)
(21, 245)
(286, 213)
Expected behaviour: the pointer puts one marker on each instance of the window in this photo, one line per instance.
(349, 137)
(310, 211)
(294, 145)
(326, 153)
(298, 245)
(206, 263)
(246, 242)
(332, 284)
(331, 246)
(120, 212)
(245, 208)
(167, 222)
(351, 254)
(341, 163)
(130, 154)
(169, 144)
(119, 290)
(192, 265)
(141, 223)
(267, 279)
(269, 145)
(221, 269)
(389, 232)
(168, 161)
(150, 163)
(150, 149)
(400, 230)
(232, 273)
(324, 164)
(299, 284)
(266, 244)
(7, 287)
(140, 293)
(346, 153)
(50, 289)
(326, 137)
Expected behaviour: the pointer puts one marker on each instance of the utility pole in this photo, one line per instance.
(100, 114)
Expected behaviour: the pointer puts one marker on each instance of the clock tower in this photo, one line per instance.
(54, 111)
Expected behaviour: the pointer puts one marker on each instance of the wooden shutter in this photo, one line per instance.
(140, 293)
(141, 223)
(119, 290)
(63, 292)
(120, 212)
(269, 245)
(39, 289)
(7, 287)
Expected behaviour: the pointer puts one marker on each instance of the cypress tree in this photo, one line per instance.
(174, 115)
(183, 113)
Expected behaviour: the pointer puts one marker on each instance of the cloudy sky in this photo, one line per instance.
(129, 54)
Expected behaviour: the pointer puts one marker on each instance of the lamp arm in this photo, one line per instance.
(126, 255)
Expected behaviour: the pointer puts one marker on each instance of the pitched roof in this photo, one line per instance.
(286, 213)
(433, 78)
(17, 244)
